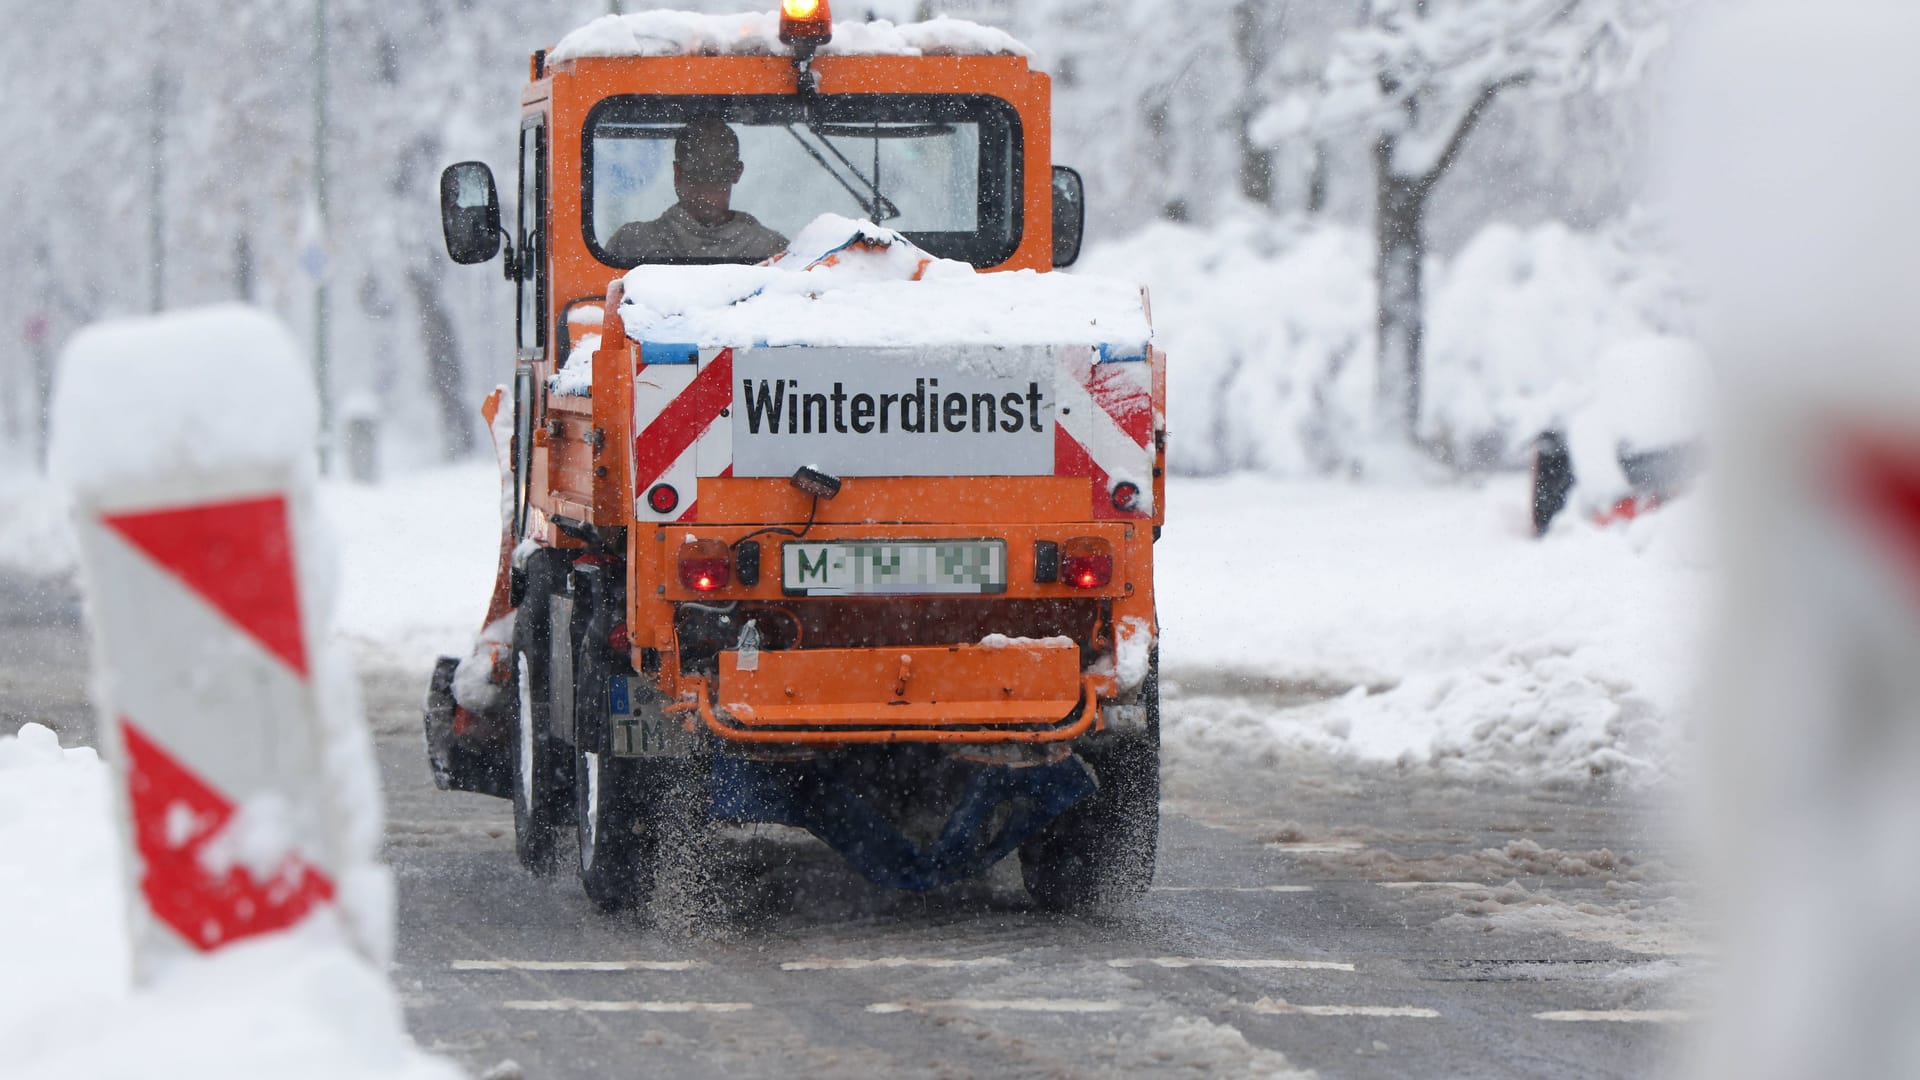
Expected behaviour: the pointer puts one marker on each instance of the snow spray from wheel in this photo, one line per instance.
(244, 779)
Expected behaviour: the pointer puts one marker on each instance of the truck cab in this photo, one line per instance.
(825, 501)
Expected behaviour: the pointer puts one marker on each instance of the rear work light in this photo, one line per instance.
(1086, 562)
(705, 565)
(808, 22)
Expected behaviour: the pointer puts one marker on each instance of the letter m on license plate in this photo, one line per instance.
(895, 568)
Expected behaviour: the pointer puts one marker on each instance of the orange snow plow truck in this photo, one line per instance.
(826, 503)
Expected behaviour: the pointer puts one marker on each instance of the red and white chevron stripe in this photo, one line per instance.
(680, 429)
(1103, 426)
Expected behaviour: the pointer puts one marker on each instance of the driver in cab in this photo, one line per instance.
(703, 224)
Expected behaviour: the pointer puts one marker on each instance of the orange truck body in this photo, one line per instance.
(580, 469)
(1032, 669)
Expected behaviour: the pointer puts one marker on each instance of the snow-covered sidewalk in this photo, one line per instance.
(279, 1007)
(1496, 654)
(1488, 652)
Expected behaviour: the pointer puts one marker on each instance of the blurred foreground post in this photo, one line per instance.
(1797, 192)
(244, 795)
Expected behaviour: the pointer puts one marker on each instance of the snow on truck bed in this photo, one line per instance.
(684, 33)
(852, 283)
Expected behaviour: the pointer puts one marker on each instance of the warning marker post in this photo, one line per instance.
(245, 787)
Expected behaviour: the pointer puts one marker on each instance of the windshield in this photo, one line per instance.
(752, 171)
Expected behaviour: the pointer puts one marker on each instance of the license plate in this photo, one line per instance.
(895, 567)
(644, 732)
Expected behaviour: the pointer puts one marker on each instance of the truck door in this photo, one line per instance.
(530, 321)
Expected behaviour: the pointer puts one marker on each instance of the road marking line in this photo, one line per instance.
(577, 965)
(1433, 885)
(1284, 1008)
(1617, 1016)
(576, 1005)
(893, 962)
(1234, 888)
(1060, 1005)
(1204, 962)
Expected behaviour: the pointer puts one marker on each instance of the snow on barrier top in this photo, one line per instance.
(684, 33)
(852, 283)
(221, 388)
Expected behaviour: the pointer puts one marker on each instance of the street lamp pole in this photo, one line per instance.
(321, 374)
(157, 193)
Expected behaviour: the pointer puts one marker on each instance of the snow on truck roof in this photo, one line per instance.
(684, 33)
(851, 283)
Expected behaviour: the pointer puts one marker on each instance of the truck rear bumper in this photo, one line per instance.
(1028, 692)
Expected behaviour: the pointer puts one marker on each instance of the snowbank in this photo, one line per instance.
(684, 33)
(1268, 327)
(36, 537)
(1489, 653)
(847, 282)
(418, 559)
(282, 1007)
(62, 918)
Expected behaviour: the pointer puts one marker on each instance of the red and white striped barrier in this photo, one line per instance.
(198, 555)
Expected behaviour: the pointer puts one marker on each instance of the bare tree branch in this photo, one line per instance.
(1475, 112)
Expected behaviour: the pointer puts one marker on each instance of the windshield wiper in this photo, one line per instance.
(879, 209)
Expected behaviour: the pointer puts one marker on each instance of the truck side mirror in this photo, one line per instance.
(1069, 215)
(470, 212)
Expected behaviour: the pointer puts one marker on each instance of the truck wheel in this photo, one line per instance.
(1102, 851)
(609, 797)
(542, 771)
(614, 869)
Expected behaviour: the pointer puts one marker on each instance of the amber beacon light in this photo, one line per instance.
(806, 22)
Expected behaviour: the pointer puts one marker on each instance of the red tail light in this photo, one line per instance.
(1086, 562)
(617, 639)
(806, 21)
(705, 565)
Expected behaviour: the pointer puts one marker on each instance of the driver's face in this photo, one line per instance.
(708, 202)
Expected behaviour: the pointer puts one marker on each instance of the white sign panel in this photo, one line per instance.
(971, 411)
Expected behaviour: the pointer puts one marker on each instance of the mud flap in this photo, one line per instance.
(1000, 809)
(461, 764)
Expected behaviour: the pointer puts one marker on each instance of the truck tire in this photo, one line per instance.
(1102, 851)
(615, 863)
(610, 797)
(542, 770)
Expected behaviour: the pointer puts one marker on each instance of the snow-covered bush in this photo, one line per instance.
(1270, 331)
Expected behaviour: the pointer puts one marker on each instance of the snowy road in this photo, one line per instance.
(1307, 916)
(1288, 927)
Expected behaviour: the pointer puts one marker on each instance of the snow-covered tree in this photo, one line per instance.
(1416, 79)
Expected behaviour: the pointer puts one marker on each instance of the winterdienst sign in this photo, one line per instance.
(881, 412)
